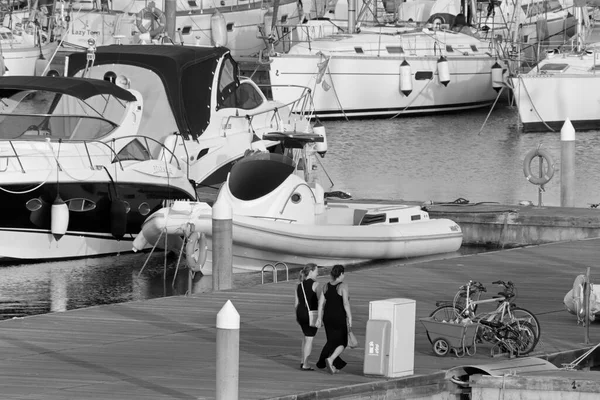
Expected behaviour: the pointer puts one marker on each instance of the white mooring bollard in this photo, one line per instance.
(222, 245)
(567, 165)
(228, 352)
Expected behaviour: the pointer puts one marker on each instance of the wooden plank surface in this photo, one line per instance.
(165, 348)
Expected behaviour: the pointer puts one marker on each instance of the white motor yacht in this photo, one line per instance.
(85, 159)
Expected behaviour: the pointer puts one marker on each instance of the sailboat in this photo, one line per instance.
(240, 26)
(565, 84)
(25, 44)
(387, 71)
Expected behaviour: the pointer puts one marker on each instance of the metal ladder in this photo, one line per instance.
(274, 269)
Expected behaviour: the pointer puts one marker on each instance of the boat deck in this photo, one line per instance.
(165, 348)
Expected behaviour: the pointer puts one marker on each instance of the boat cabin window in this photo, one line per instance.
(245, 97)
(34, 113)
(228, 84)
(395, 49)
(553, 68)
(134, 151)
(423, 75)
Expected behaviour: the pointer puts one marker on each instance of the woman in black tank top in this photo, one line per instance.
(309, 286)
(335, 314)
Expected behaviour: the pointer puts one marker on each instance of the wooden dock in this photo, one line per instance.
(165, 348)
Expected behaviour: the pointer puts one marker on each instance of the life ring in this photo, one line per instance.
(196, 251)
(549, 172)
(155, 16)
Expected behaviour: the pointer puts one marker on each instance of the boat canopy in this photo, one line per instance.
(186, 72)
(76, 87)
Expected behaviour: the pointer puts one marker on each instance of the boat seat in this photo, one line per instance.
(358, 216)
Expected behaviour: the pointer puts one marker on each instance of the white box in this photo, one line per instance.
(401, 313)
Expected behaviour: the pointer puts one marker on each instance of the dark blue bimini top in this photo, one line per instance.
(80, 88)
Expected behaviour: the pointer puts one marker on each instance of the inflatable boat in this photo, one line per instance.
(280, 215)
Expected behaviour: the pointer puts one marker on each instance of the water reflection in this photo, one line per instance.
(36, 288)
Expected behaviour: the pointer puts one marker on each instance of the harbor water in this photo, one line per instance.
(432, 158)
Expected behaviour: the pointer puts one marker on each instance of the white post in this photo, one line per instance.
(222, 245)
(567, 165)
(228, 352)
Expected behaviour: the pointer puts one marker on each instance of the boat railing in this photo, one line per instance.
(292, 192)
(275, 270)
(302, 106)
(278, 219)
(110, 145)
(290, 34)
(147, 146)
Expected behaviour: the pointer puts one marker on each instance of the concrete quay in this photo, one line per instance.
(165, 348)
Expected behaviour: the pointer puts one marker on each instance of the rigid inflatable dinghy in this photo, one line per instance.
(280, 216)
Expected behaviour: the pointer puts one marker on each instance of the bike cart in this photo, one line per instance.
(446, 336)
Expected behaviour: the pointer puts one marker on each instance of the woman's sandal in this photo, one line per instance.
(306, 369)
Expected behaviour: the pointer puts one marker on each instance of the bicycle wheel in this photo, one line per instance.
(445, 313)
(523, 315)
(526, 340)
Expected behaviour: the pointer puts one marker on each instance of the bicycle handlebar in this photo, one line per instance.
(507, 285)
(474, 286)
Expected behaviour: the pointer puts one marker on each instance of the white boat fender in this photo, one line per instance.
(40, 66)
(443, 70)
(155, 15)
(218, 29)
(268, 22)
(59, 218)
(196, 250)
(118, 218)
(139, 243)
(573, 300)
(320, 147)
(497, 76)
(548, 172)
(405, 78)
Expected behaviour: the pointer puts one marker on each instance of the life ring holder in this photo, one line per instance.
(545, 176)
(156, 14)
(196, 250)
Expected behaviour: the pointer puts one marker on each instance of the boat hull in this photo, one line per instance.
(364, 86)
(541, 109)
(23, 60)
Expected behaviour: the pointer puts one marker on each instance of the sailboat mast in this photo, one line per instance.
(351, 16)
(579, 27)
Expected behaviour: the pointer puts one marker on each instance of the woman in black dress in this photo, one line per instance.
(335, 314)
(307, 282)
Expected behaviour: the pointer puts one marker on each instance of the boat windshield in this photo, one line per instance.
(29, 114)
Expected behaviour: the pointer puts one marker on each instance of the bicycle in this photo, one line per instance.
(515, 329)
